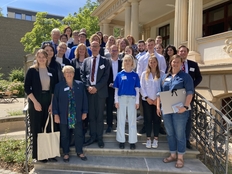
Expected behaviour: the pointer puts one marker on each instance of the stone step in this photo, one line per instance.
(112, 149)
(119, 164)
(111, 137)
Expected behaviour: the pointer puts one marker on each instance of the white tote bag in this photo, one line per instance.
(48, 144)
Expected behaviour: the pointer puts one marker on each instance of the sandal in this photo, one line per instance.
(169, 159)
(179, 163)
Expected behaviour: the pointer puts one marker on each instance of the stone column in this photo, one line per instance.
(195, 16)
(180, 26)
(111, 30)
(127, 19)
(101, 27)
(106, 27)
(135, 19)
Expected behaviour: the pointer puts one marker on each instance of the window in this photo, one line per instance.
(28, 17)
(165, 33)
(217, 19)
(18, 15)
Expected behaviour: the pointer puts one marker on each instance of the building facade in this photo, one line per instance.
(204, 26)
(28, 15)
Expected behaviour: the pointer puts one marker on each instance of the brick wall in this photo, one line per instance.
(11, 50)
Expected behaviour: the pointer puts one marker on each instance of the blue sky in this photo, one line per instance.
(56, 7)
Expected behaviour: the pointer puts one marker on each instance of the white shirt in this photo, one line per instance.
(114, 68)
(67, 52)
(96, 68)
(150, 86)
(143, 62)
(59, 60)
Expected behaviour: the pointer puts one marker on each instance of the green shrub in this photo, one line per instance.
(4, 85)
(17, 74)
(1, 75)
(12, 151)
(16, 85)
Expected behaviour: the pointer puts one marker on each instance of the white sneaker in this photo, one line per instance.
(148, 144)
(140, 118)
(155, 144)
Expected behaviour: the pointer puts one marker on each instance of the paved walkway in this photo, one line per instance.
(7, 108)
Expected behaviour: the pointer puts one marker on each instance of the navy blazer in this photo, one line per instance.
(33, 84)
(60, 100)
(194, 72)
(102, 75)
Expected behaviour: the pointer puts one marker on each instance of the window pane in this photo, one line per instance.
(29, 17)
(204, 18)
(230, 10)
(216, 14)
(18, 16)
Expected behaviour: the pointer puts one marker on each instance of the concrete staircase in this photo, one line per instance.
(111, 159)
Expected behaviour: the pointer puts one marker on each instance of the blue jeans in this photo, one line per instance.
(175, 125)
(65, 137)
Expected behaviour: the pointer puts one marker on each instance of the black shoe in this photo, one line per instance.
(188, 144)
(162, 131)
(43, 161)
(89, 142)
(52, 159)
(66, 159)
(142, 131)
(121, 145)
(101, 144)
(108, 130)
(84, 158)
(132, 146)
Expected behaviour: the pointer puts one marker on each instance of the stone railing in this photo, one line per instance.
(211, 131)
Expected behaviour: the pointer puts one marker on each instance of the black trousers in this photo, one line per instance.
(96, 112)
(151, 118)
(38, 119)
(110, 107)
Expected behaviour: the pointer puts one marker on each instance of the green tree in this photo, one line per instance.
(43, 26)
(40, 32)
(1, 12)
(83, 19)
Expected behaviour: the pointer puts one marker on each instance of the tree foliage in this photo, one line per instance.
(1, 12)
(43, 26)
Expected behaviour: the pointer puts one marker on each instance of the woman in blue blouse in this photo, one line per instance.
(70, 107)
(175, 123)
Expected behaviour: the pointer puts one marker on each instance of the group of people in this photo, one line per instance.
(75, 79)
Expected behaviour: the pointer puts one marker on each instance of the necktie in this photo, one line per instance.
(183, 67)
(93, 69)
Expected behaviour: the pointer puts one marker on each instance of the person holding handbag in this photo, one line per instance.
(70, 107)
(39, 87)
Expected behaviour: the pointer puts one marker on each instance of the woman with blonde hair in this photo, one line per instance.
(150, 80)
(111, 41)
(39, 87)
(126, 98)
(80, 54)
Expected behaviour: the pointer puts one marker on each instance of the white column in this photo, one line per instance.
(127, 19)
(106, 27)
(180, 26)
(194, 23)
(195, 16)
(135, 19)
(101, 27)
(111, 29)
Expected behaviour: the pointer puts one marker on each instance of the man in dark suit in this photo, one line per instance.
(55, 35)
(95, 74)
(115, 67)
(193, 70)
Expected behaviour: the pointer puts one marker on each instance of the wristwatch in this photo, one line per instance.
(146, 97)
(186, 107)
